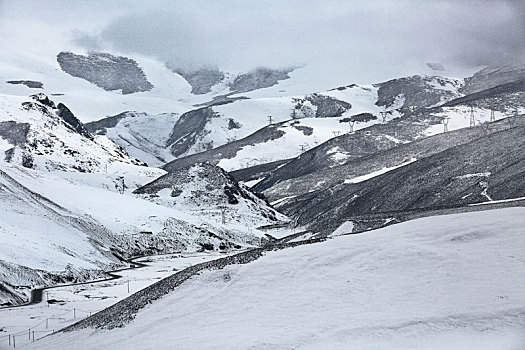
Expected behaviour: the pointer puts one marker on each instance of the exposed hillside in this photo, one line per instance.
(417, 91)
(106, 71)
(376, 163)
(486, 169)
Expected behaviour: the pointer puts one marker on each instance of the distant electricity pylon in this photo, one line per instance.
(512, 118)
(270, 120)
(303, 147)
(336, 133)
(351, 123)
(383, 115)
(445, 124)
(492, 116)
(472, 120)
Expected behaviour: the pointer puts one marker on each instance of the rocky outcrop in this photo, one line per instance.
(201, 80)
(259, 78)
(106, 71)
(187, 129)
(416, 91)
(32, 84)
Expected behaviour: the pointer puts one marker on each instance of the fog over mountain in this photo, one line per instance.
(363, 41)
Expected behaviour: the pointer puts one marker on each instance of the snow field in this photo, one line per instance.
(90, 298)
(453, 281)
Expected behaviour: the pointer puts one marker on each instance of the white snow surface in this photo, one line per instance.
(144, 136)
(373, 174)
(445, 282)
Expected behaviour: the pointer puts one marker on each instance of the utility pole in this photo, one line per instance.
(223, 215)
(270, 120)
(472, 120)
(445, 124)
(302, 148)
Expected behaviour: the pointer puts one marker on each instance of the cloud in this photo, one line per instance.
(373, 39)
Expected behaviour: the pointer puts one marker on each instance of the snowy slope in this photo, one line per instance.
(204, 187)
(38, 134)
(42, 240)
(451, 282)
(142, 135)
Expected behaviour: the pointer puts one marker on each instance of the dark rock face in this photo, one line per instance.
(493, 76)
(15, 133)
(68, 116)
(32, 84)
(359, 118)
(43, 99)
(100, 127)
(257, 171)
(418, 91)
(201, 80)
(232, 124)
(328, 107)
(106, 71)
(357, 145)
(190, 125)
(259, 78)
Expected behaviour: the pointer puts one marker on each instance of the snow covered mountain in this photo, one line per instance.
(206, 129)
(77, 187)
(207, 187)
(417, 123)
(38, 134)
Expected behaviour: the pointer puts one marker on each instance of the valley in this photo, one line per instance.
(150, 199)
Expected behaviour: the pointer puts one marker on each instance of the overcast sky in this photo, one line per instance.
(374, 38)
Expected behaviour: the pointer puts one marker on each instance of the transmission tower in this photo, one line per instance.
(472, 120)
(492, 116)
(512, 118)
(383, 115)
(336, 133)
(270, 120)
(445, 124)
(303, 147)
(351, 123)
